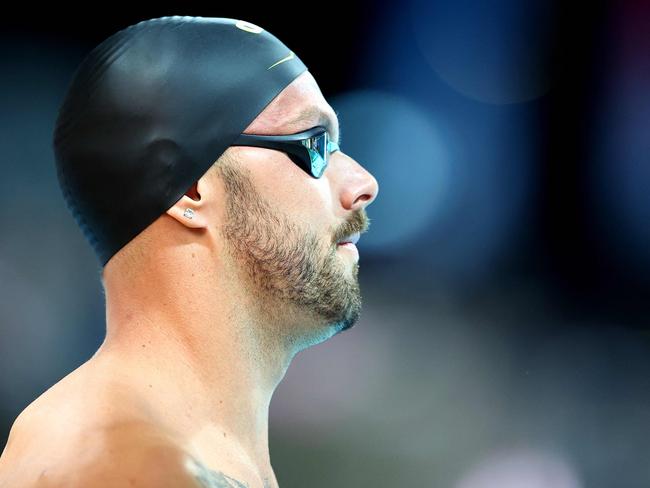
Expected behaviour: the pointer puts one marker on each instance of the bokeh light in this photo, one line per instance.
(519, 468)
(493, 52)
(404, 149)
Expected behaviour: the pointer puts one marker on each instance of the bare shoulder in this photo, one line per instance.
(84, 432)
(126, 455)
(134, 464)
(51, 448)
(36, 455)
(142, 455)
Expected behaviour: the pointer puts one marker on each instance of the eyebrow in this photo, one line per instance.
(310, 113)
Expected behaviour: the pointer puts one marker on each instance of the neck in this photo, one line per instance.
(209, 367)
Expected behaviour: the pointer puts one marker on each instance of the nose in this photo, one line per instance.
(357, 187)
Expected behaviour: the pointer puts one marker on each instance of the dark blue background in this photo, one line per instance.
(506, 273)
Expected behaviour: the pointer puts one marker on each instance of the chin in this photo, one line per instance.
(349, 318)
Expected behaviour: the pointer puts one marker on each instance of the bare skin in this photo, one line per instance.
(205, 315)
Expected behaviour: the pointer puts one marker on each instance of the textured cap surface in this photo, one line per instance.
(151, 108)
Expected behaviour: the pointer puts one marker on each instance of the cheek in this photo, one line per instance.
(294, 193)
(307, 201)
(290, 192)
(273, 172)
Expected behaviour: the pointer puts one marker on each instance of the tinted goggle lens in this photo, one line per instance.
(319, 147)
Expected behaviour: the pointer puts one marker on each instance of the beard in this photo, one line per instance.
(286, 269)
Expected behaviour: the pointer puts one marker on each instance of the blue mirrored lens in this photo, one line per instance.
(319, 148)
(317, 154)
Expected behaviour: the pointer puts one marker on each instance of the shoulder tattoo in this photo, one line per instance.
(210, 478)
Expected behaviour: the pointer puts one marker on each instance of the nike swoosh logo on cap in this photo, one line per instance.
(290, 56)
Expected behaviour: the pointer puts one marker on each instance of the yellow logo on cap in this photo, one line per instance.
(290, 56)
(248, 27)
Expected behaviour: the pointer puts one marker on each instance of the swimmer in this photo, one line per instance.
(202, 164)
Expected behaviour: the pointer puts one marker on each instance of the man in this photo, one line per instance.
(208, 300)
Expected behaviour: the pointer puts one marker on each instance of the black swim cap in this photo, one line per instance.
(151, 108)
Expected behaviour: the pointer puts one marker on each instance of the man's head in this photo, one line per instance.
(281, 227)
(261, 228)
(261, 220)
(151, 108)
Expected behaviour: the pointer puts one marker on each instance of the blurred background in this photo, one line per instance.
(504, 337)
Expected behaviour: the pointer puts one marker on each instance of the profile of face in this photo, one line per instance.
(280, 227)
(290, 264)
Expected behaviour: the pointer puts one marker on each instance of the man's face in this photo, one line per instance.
(289, 262)
(282, 226)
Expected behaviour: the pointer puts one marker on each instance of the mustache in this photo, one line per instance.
(359, 222)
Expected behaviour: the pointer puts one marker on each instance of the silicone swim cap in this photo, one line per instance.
(151, 108)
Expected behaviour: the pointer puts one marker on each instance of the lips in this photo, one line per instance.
(353, 239)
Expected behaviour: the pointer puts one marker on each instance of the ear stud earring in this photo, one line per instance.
(189, 213)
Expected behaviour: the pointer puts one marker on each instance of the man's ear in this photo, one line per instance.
(190, 210)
